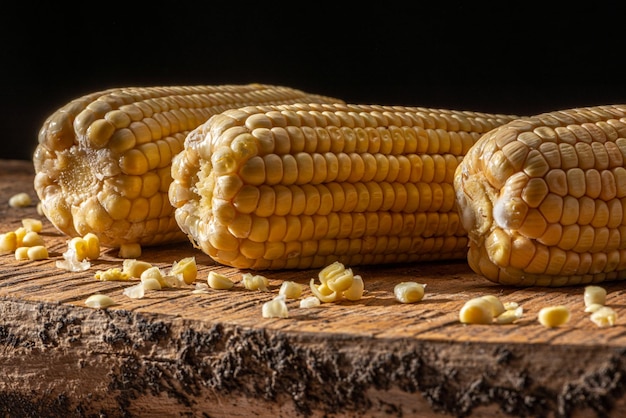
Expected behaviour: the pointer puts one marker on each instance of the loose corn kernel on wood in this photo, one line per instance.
(36, 252)
(496, 304)
(356, 289)
(477, 310)
(186, 267)
(111, 274)
(604, 317)
(255, 282)
(219, 281)
(309, 302)
(20, 233)
(21, 253)
(489, 309)
(409, 292)
(79, 246)
(135, 268)
(553, 316)
(507, 317)
(200, 288)
(20, 200)
(290, 289)
(150, 283)
(92, 246)
(594, 295)
(8, 242)
(303, 185)
(337, 282)
(103, 161)
(542, 199)
(165, 280)
(99, 301)
(31, 224)
(275, 308)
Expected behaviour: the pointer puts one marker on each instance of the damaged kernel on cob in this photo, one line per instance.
(304, 185)
(103, 160)
(543, 199)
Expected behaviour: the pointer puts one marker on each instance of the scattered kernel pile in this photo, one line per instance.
(595, 302)
(489, 309)
(25, 241)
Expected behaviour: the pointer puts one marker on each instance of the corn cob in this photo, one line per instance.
(301, 186)
(543, 199)
(103, 161)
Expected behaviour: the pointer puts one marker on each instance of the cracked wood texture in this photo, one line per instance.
(176, 353)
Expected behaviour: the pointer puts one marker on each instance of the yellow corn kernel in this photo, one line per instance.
(553, 316)
(20, 232)
(510, 315)
(31, 224)
(79, 247)
(92, 250)
(151, 283)
(219, 281)
(31, 238)
(21, 253)
(356, 289)
(496, 304)
(20, 200)
(323, 293)
(309, 302)
(8, 242)
(254, 282)
(103, 161)
(275, 308)
(187, 268)
(152, 272)
(111, 274)
(291, 290)
(542, 200)
(99, 301)
(287, 186)
(477, 310)
(604, 317)
(594, 295)
(134, 268)
(37, 252)
(129, 251)
(409, 292)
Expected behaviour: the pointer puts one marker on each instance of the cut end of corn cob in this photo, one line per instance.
(305, 185)
(543, 199)
(103, 161)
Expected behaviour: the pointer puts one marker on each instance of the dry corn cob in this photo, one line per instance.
(544, 199)
(103, 160)
(301, 186)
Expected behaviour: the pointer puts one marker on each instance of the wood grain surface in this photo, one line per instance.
(176, 353)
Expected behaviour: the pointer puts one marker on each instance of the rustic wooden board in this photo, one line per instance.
(175, 353)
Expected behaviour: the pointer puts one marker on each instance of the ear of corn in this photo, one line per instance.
(301, 186)
(544, 198)
(103, 161)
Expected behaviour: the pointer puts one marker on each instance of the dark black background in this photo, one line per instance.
(508, 57)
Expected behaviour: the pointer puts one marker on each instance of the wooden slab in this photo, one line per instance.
(175, 353)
